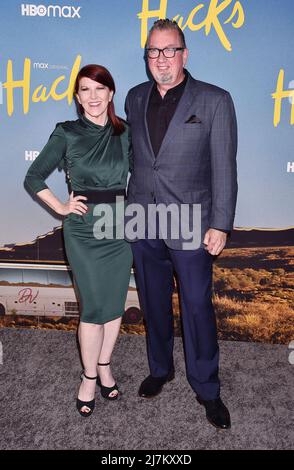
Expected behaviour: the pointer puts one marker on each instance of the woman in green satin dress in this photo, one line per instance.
(95, 151)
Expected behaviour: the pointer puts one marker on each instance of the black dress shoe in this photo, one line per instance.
(152, 386)
(216, 413)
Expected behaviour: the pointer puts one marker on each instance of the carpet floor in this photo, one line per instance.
(39, 377)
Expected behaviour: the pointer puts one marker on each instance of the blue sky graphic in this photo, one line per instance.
(109, 33)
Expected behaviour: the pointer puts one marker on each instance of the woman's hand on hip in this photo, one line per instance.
(75, 205)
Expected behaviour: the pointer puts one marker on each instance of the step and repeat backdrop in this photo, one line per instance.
(243, 46)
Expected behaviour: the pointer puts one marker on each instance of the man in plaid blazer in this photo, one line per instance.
(184, 137)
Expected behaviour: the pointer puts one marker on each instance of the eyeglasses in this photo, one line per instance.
(168, 52)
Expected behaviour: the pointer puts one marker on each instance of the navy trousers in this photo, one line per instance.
(155, 264)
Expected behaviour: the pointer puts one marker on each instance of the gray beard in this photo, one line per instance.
(166, 78)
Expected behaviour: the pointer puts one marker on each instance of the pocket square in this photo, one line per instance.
(193, 120)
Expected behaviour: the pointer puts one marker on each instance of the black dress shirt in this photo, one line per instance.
(160, 112)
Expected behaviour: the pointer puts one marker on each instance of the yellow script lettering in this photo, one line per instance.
(236, 18)
(40, 93)
(278, 96)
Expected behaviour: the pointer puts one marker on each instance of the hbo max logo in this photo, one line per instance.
(28, 9)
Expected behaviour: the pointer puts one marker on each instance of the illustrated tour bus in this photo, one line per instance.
(48, 290)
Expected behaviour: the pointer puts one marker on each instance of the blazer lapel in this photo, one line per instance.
(180, 115)
(144, 104)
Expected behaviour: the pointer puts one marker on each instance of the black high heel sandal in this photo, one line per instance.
(105, 391)
(88, 404)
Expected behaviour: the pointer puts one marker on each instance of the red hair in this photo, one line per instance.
(100, 74)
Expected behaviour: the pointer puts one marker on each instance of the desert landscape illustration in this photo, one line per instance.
(253, 290)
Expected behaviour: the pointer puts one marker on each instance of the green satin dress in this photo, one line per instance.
(94, 159)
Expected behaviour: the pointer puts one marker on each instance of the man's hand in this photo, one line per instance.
(215, 241)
